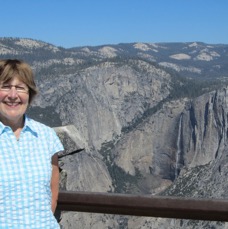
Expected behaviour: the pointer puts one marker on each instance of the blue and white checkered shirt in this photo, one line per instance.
(25, 175)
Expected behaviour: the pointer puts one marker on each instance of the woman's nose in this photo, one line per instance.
(13, 92)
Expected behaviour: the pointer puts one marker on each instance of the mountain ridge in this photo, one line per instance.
(194, 57)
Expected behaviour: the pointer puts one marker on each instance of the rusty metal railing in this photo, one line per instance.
(137, 205)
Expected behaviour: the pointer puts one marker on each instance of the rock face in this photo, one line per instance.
(113, 96)
(132, 122)
(179, 150)
(205, 133)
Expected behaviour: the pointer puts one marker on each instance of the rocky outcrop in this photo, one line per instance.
(204, 128)
(107, 97)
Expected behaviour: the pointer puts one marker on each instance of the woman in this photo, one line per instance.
(29, 173)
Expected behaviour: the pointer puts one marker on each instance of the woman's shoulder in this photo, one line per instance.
(37, 126)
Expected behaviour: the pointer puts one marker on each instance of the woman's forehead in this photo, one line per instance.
(14, 80)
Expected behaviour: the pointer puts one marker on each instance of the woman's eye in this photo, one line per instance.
(6, 87)
(21, 88)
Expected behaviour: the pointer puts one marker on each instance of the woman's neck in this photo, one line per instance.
(15, 125)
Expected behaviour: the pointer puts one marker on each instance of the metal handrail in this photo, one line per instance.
(144, 205)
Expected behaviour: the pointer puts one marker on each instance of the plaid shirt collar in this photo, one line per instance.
(28, 126)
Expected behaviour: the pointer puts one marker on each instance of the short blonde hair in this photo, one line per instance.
(11, 68)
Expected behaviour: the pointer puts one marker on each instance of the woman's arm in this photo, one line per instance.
(54, 182)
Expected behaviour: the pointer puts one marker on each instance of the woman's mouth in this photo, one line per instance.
(12, 104)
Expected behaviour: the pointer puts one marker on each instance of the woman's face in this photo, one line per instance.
(14, 100)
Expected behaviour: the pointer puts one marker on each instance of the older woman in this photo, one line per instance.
(29, 173)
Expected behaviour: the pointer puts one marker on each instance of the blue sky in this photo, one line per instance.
(73, 23)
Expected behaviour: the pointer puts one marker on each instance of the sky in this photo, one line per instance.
(76, 23)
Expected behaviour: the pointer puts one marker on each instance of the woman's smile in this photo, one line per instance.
(12, 104)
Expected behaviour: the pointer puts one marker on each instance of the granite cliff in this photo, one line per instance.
(134, 118)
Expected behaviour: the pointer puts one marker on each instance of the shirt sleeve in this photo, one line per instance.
(56, 145)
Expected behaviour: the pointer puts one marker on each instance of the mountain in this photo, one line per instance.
(134, 118)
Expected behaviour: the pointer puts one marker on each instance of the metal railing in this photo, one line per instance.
(138, 205)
